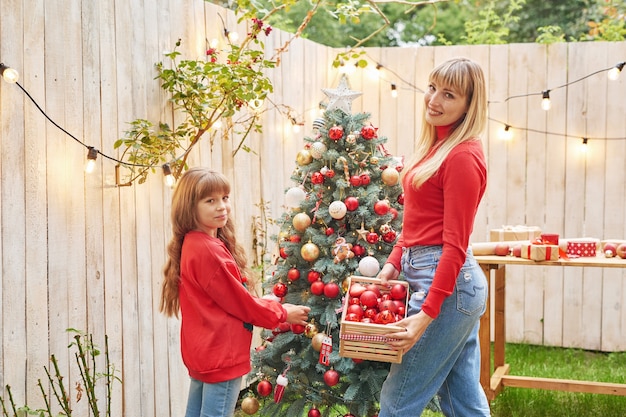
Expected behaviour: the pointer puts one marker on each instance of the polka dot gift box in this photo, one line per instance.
(582, 248)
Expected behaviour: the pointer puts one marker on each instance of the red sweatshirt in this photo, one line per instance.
(218, 311)
(441, 212)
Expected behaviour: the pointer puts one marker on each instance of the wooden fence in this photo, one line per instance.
(79, 252)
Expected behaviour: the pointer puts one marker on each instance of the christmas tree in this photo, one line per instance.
(344, 216)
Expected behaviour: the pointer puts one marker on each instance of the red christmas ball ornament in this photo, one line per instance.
(355, 180)
(358, 250)
(368, 132)
(331, 290)
(365, 179)
(295, 238)
(372, 237)
(283, 253)
(331, 377)
(317, 287)
(313, 276)
(352, 203)
(401, 199)
(394, 213)
(381, 207)
(317, 178)
(264, 388)
(280, 289)
(329, 231)
(390, 237)
(293, 274)
(330, 173)
(348, 415)
(335, 132)
(297, 328)
(314, 412)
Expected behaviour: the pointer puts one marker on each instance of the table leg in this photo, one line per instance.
(485, 339)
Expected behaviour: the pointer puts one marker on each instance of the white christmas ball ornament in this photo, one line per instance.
(337, 210)
(294, 196)
(317, 149)
(369, 266)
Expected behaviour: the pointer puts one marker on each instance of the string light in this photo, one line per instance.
(394, 91)
(12, 76)
(92, 154)
(583, 147)
(614, 72)
(9, 74)
(545, 100)
(168, 177)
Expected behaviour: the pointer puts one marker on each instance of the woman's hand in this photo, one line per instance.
(415, 327)
(297, 314)
(388, 273)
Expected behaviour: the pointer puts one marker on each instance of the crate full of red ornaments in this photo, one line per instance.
(369, 313)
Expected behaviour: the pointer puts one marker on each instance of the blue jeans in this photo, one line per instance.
(213, 400)
(446, 359)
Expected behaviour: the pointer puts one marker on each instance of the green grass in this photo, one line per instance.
(550, 362)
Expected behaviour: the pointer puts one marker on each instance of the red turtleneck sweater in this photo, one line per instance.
(441, 212)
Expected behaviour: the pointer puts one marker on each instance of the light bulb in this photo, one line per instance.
(9, 74)
(168, 177)
(92, 154)
(394, 91)
(506, 134)
(545, 101)
(614, 72)
(233, 37)
(584, 146)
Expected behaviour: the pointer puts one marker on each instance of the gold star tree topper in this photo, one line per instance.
(341, 97)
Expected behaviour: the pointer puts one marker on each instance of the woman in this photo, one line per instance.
(444, 182)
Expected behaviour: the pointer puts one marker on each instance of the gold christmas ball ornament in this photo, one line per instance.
(316, 341)
(304, 157)
(250, 405)
(310, 252)
(344, 285)
(310, 330)
(390, 176)
(301, 221)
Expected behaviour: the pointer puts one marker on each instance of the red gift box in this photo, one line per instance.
(581, 248)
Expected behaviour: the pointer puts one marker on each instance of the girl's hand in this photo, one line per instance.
(297, 314)
(415, 327)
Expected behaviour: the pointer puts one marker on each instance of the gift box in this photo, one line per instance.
(368, 340)
(514, 233)
(540, 252)
(581, 248)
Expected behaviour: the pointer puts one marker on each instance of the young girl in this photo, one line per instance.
(205, 278)
(443, 182)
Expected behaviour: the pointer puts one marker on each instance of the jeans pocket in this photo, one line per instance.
(471, 291)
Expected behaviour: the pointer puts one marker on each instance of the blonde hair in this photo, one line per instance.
(194, 185)
(466, 77)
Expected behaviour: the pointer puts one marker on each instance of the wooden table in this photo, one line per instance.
(493, 383)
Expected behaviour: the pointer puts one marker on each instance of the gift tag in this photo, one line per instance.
(327, 348)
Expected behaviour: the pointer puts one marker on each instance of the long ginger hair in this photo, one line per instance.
(465, 76)
(193, 186)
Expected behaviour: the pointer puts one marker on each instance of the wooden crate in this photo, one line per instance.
(367, 340)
